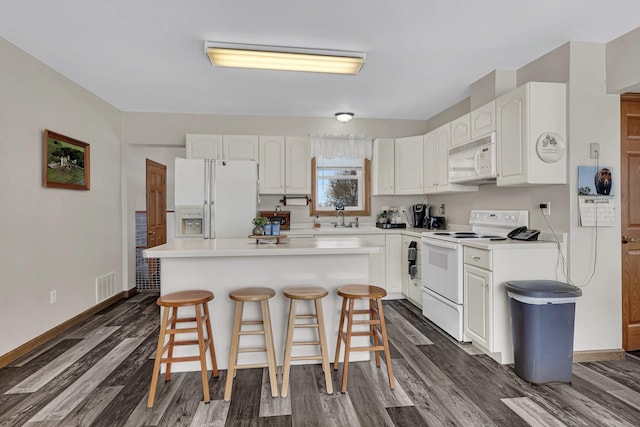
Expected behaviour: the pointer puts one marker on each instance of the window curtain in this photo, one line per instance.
(341, 146)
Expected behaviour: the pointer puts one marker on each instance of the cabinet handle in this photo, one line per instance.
(475, 258)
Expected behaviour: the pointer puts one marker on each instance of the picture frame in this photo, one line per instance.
(66, 162)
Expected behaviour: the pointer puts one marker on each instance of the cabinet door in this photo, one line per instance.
(394, 263)
(443, 140)
(483, 120)
(430, 163)
(298, 165)
(409, 165)
(383, 167)
(511, 111)
(461, 130)
(272, 165)
(478, 305)
(201, 146)
(240, 147)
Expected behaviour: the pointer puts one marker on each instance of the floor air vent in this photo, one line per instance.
(105, 287)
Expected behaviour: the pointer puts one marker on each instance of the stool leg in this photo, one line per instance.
(203, 354)
(159, 351)
(347, 346)
(212, 349)
(271, 354)
(373, 328)
(340, 331)
(172, 339)
(385, 343)
(323, 347)
(286, 364)
(233, 352)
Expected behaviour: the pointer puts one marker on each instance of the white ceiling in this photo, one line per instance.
(422, 55)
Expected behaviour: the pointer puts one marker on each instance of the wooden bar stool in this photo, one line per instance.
(374, 294)
(170, 303)
(240, 296)
(316, 294)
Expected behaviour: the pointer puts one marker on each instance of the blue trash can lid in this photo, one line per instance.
(543, 289)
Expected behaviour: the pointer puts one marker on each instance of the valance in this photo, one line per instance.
(341, 146)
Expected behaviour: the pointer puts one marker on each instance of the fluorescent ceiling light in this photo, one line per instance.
(284, 58)
(344, 117)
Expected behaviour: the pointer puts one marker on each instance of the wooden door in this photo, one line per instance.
(630, 214)
(156, 204)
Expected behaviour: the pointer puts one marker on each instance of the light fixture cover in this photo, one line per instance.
(284, 58)
(344, 117)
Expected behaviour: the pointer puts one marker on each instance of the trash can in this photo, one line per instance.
(542, 320)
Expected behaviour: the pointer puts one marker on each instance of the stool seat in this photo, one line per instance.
(361, 292)
(252, 294)
(305, 292)
(184, 298)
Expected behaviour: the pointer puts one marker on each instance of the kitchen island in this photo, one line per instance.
(223, 265)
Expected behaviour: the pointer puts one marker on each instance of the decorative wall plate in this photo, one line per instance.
(550, 147)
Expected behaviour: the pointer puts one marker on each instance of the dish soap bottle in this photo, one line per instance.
(316, 222)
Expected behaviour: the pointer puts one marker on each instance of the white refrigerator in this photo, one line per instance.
(215, 198)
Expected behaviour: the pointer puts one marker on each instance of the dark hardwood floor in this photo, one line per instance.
(98, 374)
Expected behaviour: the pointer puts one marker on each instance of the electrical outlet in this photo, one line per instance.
(594, 150)
(54, 297)
(403, 209)
(442, 209)
(545, 207)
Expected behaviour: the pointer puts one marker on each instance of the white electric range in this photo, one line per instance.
(442, 265)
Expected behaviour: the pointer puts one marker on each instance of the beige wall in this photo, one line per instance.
(52, 239)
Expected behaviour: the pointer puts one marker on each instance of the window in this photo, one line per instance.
(340, 180)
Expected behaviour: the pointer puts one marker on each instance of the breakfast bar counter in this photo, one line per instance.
(224, 265)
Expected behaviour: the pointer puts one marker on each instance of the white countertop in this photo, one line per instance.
(322, 231)
(198, 248)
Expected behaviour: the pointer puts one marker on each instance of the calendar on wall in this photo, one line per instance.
(596, 204)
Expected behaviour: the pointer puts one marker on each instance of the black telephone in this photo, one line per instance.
(523, 233)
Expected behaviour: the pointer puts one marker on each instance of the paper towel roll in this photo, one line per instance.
(297, 201)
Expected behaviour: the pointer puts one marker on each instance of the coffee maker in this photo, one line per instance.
(420, 214)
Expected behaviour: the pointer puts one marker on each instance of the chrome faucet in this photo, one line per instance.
(340, 214)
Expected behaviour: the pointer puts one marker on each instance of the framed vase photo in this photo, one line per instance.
(66, 162)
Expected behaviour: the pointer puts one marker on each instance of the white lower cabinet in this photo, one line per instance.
(486, 304)
(394, 263)
(411, 288)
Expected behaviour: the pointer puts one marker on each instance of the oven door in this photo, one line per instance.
(442, 268)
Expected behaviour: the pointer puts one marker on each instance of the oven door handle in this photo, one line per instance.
(439, 243)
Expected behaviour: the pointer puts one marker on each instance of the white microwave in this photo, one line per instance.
(473, 162)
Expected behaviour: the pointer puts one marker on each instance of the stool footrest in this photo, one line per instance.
(306, 316)
(181, 331)
(260, 332)
(306, 357)
(366, 322)
(372, 348)
(251, 350)
(187, 342)
(305, 343)
(252, 322)
(306, 325)
(180, 359)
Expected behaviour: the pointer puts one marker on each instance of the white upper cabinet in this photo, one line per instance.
(383, 167)
(201, 146)
(531, 135)
(298, 165)
(240, 147)
(461, 130)
(430, 163)
(436, 163)
(272, 164)
(284, 165)
(483, 120)
(409, 166)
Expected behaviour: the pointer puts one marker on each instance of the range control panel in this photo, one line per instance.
(496, 218)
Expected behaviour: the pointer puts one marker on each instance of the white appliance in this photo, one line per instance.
(473, 162)
(215, 198)
(442, 264)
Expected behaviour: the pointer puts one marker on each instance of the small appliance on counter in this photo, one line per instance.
(390, 219)
(420, 214)
(436, 223)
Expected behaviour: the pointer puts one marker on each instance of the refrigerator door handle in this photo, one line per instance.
(207, 199)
